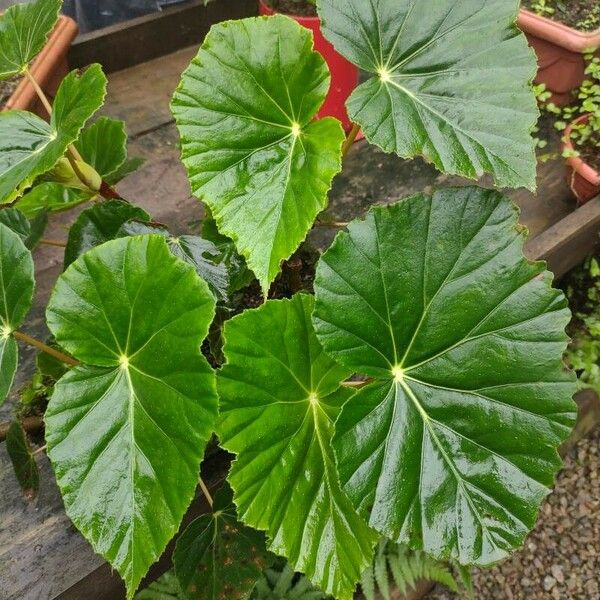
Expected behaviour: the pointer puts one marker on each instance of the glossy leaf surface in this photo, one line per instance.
(29, 146)
(202, 254)
(238, 273)
(129, 166)
(24, 29)
(454, 445)
(16, 296)
(252, 150)
(279, 396)
(103, 145)
(23, 461)
(29, 232)
(50, 197)
(450, 82)
(9, 361)
(99, 224)
(126, 430)
(218, 557)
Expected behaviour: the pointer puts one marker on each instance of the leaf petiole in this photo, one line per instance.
(30, 341)
(206, 493)
(38, 90)
(73, 154)
(57, 243)
(40, 450)
(350, 139)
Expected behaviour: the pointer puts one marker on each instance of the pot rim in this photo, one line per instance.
(576, 162)
(45, 63)
(558, 33)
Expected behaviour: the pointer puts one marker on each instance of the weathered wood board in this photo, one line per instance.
(41, 555)
(157, 34)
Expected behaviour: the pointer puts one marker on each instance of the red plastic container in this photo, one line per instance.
(583, 179)
(560, 50)
(49, 69)
(344, 75)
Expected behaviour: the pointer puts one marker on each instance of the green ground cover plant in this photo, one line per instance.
(582, 116)
(417, 396)
(584, 15)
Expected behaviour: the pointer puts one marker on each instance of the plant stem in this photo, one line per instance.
(26, 339)
(350, 139)
(356, 384)
(108, 192)
(333, 224)
(40, 450)
(206, 492)
(39, 92)
(73, 154)
(53, 243)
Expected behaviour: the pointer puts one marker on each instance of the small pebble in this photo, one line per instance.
(549, 583)
(557, 573)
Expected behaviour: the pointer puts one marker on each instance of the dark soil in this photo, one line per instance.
(299, 8)
(297, 275)
(7, 88)
(590, 153)
(580, 14)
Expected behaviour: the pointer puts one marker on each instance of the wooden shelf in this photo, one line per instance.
(144, 38)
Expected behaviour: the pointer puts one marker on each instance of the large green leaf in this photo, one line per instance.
(451, 82)
(99, 224)
(126, 430)
(279, 395)
(29, 146)
(24, 29)
(453, 447)
(252, 150)
(16, 296)
(202, 254)
(217, 557)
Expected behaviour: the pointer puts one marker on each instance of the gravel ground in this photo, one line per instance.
(561, 558)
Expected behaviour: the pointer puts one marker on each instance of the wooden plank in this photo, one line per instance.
(141, 95)
(566, 243)
(138, 40)
(41, 553)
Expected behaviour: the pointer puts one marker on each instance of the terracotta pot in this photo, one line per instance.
(583, 179)
(344, 75)
(49, 69)
(560, 51)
